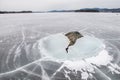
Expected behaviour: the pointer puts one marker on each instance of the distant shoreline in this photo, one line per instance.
(8, 12)
(88, 10)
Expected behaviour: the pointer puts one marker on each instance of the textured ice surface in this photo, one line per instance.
(54, 46)
(20, 52)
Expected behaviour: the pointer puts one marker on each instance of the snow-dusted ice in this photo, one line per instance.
(32, 46)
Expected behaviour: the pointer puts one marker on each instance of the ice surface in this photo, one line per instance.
(22, 57)
(54, 46)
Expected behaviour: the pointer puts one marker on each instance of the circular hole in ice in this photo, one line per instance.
(54, 47)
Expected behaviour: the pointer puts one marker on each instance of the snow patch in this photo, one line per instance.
(103, 58)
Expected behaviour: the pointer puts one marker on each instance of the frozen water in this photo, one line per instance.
(54, 46)
(25, 54)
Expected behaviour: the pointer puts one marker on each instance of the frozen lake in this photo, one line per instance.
(20, 55)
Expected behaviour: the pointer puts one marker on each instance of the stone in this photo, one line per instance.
(72, 36)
